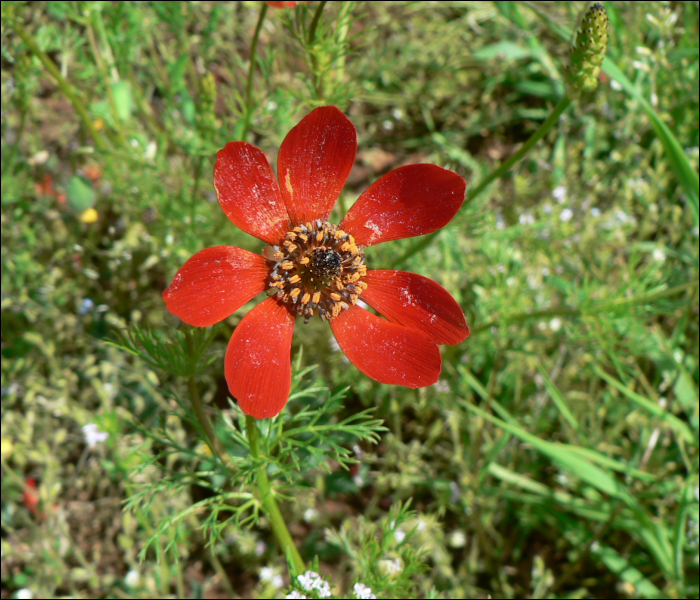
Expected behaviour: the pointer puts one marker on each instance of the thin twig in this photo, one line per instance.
(251, 70)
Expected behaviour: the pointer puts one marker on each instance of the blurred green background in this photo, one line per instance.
(558, 454)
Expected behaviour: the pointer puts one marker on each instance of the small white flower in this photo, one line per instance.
(267, 573)
(457, 539)
(399, 536)
(93, 435)
(271, 105)
(397, 113)
(308, 580)
(421, 525)
(295, 594)
(527, 219)
(559, 193)
(555, 324)
(310, 515)
(362, 591)
(595, 212)
(658, 255)
(133, 578)
(24, 594)
(388, 125)
(260, 548)
(277, 581)
(358, 480)
(442, 386)
(313, 581)
(323, 589)
(547, 208)
(391, 567)
(616, 85)
(566, 214)
(169, 239)
(151, 150)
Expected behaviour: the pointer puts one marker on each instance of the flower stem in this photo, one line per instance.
(62, 82)
(214, 443)
(251, 70)
(279, 527)
(318, 80)
(493, 175)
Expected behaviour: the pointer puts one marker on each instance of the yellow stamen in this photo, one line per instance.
(305, 261)
(295, 292)
(287, 265)
(317, 297)
(305, 298)
(294, 279)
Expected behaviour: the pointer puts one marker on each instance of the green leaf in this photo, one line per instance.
(558, 398)
(678, 426)
(80, 194)
(621, 567)
(123, 100)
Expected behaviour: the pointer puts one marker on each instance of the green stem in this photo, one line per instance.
(318, 80)
(195, 189)
(495, 174)
(314, 23)
(62, 82)
(215, 445)
(279, 527)
(590, 310)
(251, 70)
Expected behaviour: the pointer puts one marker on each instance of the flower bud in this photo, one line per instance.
(586, 55)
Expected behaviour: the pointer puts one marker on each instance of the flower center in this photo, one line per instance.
(317, 270)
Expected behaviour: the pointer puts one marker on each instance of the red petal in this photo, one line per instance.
(258, 360)
(408, 201)
(214, 284)
(418, 302)
(248, 192)
(385, 351)
(314, 161)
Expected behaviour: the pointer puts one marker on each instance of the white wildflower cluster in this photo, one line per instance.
(362, 591)
(93, 435)
(312, 581)
(294, 595)
(269, 575)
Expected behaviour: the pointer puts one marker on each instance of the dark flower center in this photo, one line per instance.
(317, 270)
(325, 264)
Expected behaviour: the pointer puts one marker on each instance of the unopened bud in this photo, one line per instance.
(586, 56)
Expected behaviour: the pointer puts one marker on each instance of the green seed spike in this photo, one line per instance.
(588, 50)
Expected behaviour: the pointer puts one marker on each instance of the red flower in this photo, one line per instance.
(311, 267)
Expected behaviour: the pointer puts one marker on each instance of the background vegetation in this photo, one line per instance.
(558, 454)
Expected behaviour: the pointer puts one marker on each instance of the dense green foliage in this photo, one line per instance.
(558, 454)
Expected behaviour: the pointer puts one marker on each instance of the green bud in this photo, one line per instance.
(206, 111)
(586, 55)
